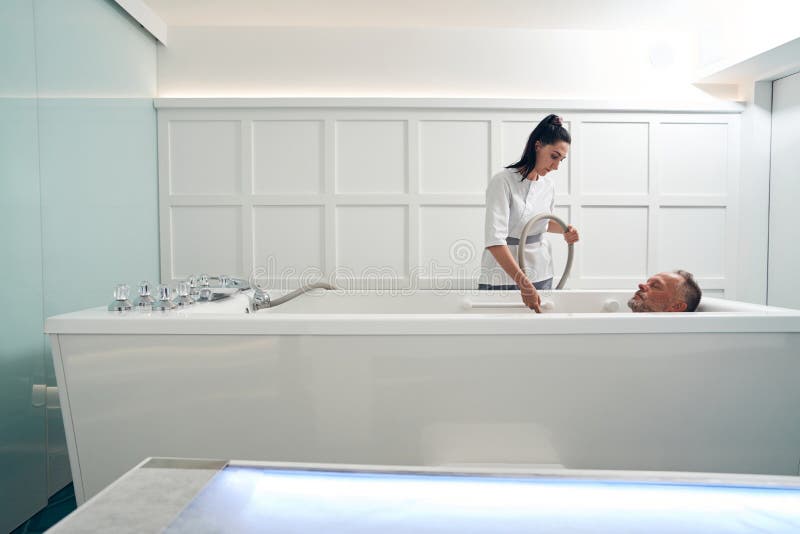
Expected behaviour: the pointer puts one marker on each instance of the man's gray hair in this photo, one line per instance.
(691, 291)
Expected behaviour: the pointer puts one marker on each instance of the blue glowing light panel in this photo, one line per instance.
(252, 499)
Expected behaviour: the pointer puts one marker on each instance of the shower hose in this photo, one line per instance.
(299, 291)
(521, 249)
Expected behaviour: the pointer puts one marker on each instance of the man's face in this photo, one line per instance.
(661, 293)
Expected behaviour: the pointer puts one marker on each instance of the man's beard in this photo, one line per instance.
(638, 305)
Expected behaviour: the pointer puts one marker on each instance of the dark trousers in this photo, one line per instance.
(544, 284)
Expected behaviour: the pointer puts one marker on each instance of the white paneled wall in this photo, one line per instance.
(393, 196)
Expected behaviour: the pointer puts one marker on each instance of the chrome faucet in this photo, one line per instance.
(258, 301)
(261, 299)
(200, 287)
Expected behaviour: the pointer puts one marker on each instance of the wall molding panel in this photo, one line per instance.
(393, 197)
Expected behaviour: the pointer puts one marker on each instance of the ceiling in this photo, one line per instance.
(533, 14)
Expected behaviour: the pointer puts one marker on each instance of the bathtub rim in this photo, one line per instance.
(759, 319)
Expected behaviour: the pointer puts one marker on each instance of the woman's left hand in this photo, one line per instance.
(571, 235)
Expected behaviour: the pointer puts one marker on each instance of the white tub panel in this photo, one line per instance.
(686, 402)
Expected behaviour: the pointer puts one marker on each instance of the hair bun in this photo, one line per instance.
(556, 121)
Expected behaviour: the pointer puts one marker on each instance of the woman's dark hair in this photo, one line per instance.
(547, 132)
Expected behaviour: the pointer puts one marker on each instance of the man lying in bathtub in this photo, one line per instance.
(667, 292)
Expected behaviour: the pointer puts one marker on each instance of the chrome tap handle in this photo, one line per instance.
(145, 300)
(184, 298)
(202, 291)
(165, 292)
(194, 286)
(121, 302)
(183, 289)
(144, 288)
(165, 303)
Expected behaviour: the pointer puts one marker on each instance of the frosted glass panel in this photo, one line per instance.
(99, 191)
(17, 55)
(91, 49)
(78, 175)
(22, 426)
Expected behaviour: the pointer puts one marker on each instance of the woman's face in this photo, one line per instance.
(548, 157)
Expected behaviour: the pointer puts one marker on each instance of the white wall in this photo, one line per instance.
(464, 47)
(621, 51)
(392, 197)
(784, 254)
(754, 170)
(427, 62)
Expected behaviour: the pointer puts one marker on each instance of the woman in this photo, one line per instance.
(513, 197)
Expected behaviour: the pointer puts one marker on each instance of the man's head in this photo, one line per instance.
(667, 292)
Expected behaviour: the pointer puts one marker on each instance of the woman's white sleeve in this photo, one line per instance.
(497, 212)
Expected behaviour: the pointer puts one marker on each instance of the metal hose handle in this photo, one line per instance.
(300, 291)
(524, 236)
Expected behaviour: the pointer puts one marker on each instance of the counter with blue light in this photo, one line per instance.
(182, 496)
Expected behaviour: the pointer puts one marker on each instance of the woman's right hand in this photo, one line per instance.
(530, 296)
(504, 258)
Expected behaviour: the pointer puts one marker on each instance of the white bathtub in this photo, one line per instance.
(432, 379)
